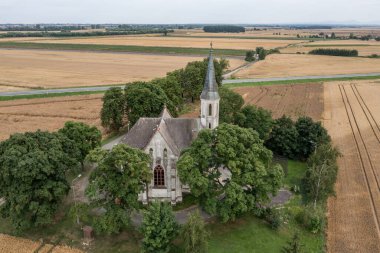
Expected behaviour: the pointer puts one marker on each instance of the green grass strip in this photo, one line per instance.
(121, 48)
(300, 81)
(49, 95)
(339, 45)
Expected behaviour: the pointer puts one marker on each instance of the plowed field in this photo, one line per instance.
(352, 116)
(50, 114)
(293, 100)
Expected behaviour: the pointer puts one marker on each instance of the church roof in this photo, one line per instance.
(177, 132)
(210, 89)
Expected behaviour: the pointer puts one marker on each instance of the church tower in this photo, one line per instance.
(210, 97)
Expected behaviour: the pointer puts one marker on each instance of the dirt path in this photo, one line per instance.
(354, 214)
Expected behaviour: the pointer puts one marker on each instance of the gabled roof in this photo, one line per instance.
(210, 89)
(165, 113)
(177, 132)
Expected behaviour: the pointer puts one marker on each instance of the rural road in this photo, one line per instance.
(229, 81)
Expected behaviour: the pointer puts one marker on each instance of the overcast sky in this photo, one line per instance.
(189, 11)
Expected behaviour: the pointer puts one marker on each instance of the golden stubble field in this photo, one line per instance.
(49, 114)
(23, 69)
(285, 65)
(168, 41)
(352, 117)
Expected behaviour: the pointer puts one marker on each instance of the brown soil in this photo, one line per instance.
(49, 114)
(352, 118)
(292, 100)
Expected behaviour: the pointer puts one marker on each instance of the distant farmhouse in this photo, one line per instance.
(164, 138)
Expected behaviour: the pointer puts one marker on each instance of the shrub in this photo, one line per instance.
(313, 219)
(250, 56)
(273, 216)
(223, 28)
(334, 52)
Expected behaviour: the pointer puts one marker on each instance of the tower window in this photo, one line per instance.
(151, 153)
(209, 125)
(159, 176)
(210, 110)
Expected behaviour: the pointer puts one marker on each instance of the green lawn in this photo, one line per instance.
(296, 171)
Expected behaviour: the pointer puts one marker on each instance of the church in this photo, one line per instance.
(164, 137)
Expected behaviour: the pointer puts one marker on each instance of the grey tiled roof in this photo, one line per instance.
(177, 132)
(210, 89)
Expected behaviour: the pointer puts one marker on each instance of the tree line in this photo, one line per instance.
(335, 52)
(146, 99)
(260, 52)
(224, 29)
(65, 33)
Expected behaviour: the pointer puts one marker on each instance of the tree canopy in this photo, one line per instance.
(230, 170)
(85, 137)
(112, 112)
(230, 104)
(145, 100)
(159, 228)
(121, 175)
(32, 177)
(255, 118)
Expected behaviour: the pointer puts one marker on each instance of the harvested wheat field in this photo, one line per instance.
(160, 41)
(53, 69)
(352, 117)
(292, 100)
(363, 50)
(49, 114)
(285, 65)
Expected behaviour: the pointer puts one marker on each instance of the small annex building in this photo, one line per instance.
(164, 137)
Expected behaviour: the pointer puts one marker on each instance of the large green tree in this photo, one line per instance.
(255, 118)
(120, 176)
(159, 228)
(322, 170)
(229, 170)
(310, 135)
(194, 234)
(230, 104)
(84, 137)
(112, 112)
(172, 87)
(283, 139)
(145, 100)
(32, 177)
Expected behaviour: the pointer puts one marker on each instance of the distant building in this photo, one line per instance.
(164, 138)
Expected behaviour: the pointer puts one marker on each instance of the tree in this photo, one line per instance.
(229, 170)
(255, 118)
(121, 175)
(32, 178)
(283, 138)
(293, 246)
(250, 56)
(194, 234)
(230, 105)
(172, 87)
(333, 36)
(86, 138)
(145, 100)
(158, 228)
(261, 52)
(310, 135)
(113, 109)
(322, 170)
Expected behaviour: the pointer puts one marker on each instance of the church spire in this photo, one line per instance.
(210, 89)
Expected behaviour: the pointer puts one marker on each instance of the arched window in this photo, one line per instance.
(165, 153)
(209, 125)
(159, 176)
(210, 110)
(151, 152)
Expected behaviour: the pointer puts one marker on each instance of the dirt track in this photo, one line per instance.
(352, 118)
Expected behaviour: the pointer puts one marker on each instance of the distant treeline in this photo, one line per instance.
(334, 52)
(223, 28)
(79, 34)
(41, 28)
(310, 27)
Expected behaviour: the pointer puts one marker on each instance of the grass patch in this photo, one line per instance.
(300, 81)
(121, 48)
(48, 95)
(296, 171)
(187, 201)
(339, 45)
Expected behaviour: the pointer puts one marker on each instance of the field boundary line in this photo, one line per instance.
(46, 116)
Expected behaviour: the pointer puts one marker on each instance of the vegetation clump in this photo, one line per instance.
(335, 52)
(224, 29)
